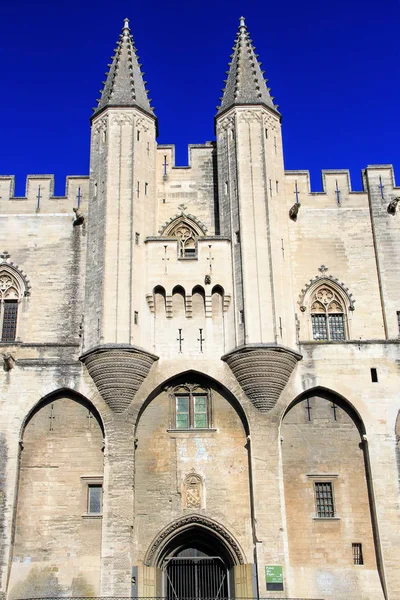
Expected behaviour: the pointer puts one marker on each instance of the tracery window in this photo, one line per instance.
(187, 230)
(10, 295)
(327, 315)
(187, 238)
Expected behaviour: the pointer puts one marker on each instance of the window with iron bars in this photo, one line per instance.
(9, 320)
(358, 558)
(327, 315)
(324, 499)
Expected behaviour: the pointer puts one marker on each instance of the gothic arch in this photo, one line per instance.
(194, 524)
(19, 281)
(330, 281)
(169, 228)
(194, 375)
(56, 395)
(328, 394)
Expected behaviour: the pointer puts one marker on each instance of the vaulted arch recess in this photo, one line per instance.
(59, 504)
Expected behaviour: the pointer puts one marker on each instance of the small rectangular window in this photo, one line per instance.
(324, 499)
(226, 188)
(237, 237)
(9, 328)
(266, 134)
(138, 135)
(137, 238)
(398, 323)
(277, 186)
(146, 185)
(95, 493)
(241, 317)
(135, 317)
(357, 554)
(200, 412)
(374, 375)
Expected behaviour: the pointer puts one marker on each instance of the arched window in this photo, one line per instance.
(10, 296)
(186, 229)
(328, 314)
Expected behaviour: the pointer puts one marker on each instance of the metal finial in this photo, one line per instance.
(242, 23)
(126, 23)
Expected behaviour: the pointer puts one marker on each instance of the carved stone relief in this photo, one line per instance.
(192, 496)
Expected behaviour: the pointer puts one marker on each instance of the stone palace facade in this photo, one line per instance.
(200, 386)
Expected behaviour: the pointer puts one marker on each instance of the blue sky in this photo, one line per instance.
(334, 70)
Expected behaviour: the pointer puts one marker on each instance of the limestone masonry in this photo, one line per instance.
(200, 391)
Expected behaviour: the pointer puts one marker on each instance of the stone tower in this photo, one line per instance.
(254, 215)
(122, 190)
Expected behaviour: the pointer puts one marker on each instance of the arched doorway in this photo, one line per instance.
(196, 557)
(195, 565)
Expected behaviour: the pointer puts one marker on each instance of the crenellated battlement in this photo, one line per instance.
(39, 194)
(336, 187)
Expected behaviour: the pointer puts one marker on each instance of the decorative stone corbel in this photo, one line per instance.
(79, 218)
(294, 211)
(392, 206)
(8, 362)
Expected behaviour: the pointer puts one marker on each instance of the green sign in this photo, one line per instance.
(273, 574)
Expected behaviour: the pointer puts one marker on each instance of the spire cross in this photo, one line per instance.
(201, 340)
(381, 186)
(79, 197)
(89, 416)
(180, 339)
(210, 258)
(165, 165)
(51, 417)
(165, 259)
(296, 191)
(38, 198)
(308, 409)
(337, 192)
(334, 408)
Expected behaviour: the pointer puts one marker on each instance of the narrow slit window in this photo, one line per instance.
(266, 133)
(226, 188)
(138, 135)
(95, 493)
(277, 186)
(357, 554)
(135, 317)
(138, 189)
(137, 238)
(374, 375)
(146, 186)
(241, 317)
(398, 322)
(324, 500)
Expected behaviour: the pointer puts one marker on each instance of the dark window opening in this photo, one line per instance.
(357, 554)
(374, 375)
(10, 313)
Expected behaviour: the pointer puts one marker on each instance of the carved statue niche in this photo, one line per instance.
(192, 496)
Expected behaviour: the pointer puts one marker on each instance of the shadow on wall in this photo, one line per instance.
(43, 583)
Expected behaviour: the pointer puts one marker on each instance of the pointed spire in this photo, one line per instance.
(124, 85)
(245, 83)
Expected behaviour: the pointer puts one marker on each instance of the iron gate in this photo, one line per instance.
(195, 577)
